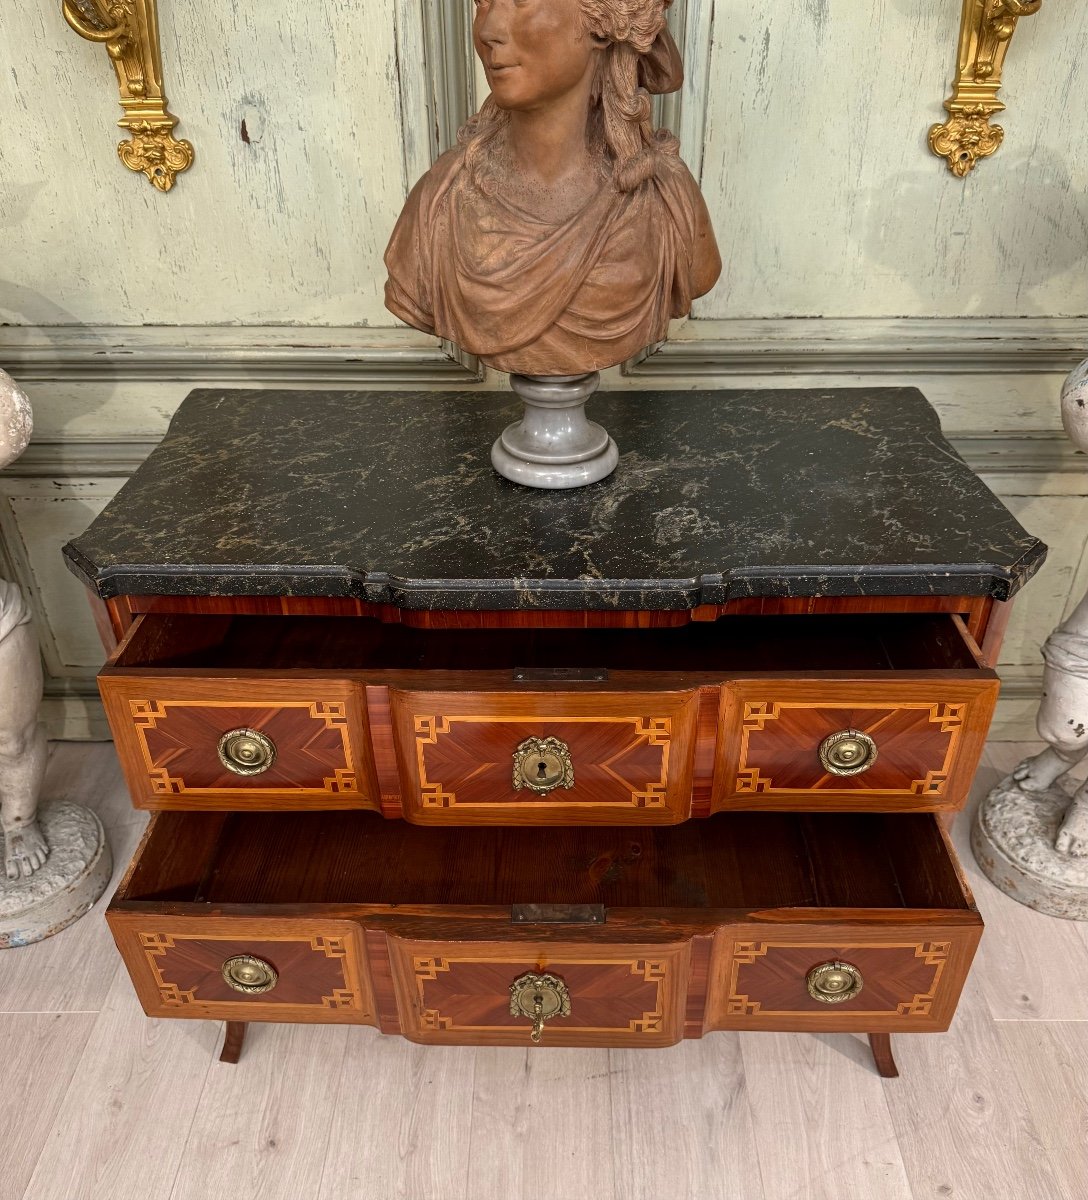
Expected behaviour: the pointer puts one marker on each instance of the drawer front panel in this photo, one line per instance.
(630, 757)
(910, 979)
(176, 965)
(928, 737)
(460, 993)
(168, 734)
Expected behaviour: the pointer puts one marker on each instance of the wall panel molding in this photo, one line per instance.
(228, 355)
(1034, 452)
(1041, 452)
(861, 345)
(438, 100)
(80, 458)
(698, 350)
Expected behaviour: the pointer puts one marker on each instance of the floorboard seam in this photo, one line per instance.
(183, 1157)
(1040, 1020)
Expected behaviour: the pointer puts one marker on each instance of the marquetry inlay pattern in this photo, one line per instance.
(464, 993)
(620, 761)
(918, 744)
(427, 969)
(902, 979)
(317, 972)
(177, 742)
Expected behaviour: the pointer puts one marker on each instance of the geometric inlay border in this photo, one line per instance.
(653, 731)
(427, 968)
(156, 946)
(759, 713)
(933, 954)
(146, 714)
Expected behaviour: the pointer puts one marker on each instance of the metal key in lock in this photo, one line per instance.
(538, 1018)
(539, 998)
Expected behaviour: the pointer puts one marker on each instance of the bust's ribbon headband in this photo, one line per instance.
(661, 70)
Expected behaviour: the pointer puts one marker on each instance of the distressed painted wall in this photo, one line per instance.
(828, 203)
(284, 229)
(852, 256)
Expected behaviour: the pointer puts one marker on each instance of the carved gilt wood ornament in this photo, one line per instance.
(986, 31)
(563, 232)
(129, 29)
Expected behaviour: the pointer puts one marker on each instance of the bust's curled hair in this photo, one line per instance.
(620, 112)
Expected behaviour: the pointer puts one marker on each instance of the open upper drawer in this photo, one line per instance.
(540, 726)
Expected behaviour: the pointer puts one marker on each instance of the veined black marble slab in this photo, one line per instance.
(390, 497)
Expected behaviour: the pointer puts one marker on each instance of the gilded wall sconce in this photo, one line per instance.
(129, 29)
(986, 30)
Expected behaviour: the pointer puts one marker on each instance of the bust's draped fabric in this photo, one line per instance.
(542, 299)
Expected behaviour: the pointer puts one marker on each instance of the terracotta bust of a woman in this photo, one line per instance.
(563, 232)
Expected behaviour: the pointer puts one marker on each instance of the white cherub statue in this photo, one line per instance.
(1063, 715)
(22, 739)
(1031, 833)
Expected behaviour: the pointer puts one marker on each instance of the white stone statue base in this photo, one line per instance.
(74, 875)
(1014, 840)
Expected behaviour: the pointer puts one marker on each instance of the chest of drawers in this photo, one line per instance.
(483, 766)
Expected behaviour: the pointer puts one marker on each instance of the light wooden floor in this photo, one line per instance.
(97, 1101)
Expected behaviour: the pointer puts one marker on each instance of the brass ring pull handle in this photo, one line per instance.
(542, 765)
(246, 752)
(539, 998)
(834, 982)
(248, 975)
(848, 753)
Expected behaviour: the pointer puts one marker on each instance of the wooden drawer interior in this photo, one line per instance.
(736, 644)
(705, 873)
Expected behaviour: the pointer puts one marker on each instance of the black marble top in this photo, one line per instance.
(390, 497)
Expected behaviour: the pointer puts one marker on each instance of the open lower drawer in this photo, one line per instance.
(549, 727)
(627, 937)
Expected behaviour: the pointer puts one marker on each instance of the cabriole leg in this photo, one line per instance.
(881, 1046)
(232, 1042)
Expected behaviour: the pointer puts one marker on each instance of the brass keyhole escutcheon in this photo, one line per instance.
(834, 982)
(542, 765)
(246, 752)
(848, 753)
(539, 998)
(248, 975)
